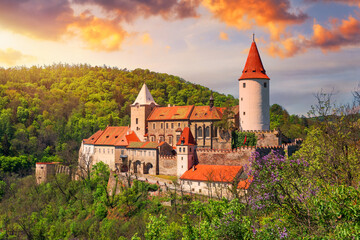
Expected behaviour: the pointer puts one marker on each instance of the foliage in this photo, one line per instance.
(238, 139)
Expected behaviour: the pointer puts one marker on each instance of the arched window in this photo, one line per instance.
(199, 131)
(207, 131)
(215, 132)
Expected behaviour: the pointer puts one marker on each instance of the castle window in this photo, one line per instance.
(137, 120)
(265, 84)
(207, 132)
(178, 124)
(161, 138)
(199, 132)
(241, 99)
(103, 150)
(181, 158)
(199, 184)
(170, 140)
(167, 125)
(244, 85)
(172, 125)
(243, 113)
(153, 125)
(179, 149)
(112, 151)
(215, 132)
(177, 138)
(122, 152)
(184, 149)
(161, 126)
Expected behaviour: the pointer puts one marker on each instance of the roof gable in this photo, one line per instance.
(186, 138)
(91, 140)
(144, 97)
(254, 68)
(206, 113)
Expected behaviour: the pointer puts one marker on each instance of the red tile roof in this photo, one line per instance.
(254, 67)
(91, 140)
(171, 113)
(205, 112)
(186, 138)
(113, 136)
(245, 184)
(213, 173)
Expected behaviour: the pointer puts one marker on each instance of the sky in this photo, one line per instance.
(306, 46)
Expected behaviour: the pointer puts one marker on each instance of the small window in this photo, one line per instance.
(178, 124)
(153, 125)
(265, 85)
(42, 167)
(172, 125)
(182, 158)
(199, 190)
(198, 183)
(161, 126)
(112, 151)
(189, 149)
(167, 126)
(241, 99)
(207, 131)
(180, 149)
(182, 166)
(122, 152)
(243, 113)
(103, 150)
(244, 85)
(184, 149)
(137, 120)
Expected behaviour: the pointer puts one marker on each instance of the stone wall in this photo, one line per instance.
(167, 165)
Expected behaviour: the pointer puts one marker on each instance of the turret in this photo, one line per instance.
(185, 149)
(254, 85)
(140, 110)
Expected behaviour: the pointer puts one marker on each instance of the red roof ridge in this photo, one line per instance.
(254, 68)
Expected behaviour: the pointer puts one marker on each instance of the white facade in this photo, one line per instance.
(185, 158)
(254, 104)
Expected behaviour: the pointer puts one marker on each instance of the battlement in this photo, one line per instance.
(169, 157)
(261, 131)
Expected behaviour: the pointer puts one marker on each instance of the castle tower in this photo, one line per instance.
(185, 149)
(254, 84)
(140, 111)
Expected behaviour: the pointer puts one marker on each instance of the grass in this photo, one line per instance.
(166, 177)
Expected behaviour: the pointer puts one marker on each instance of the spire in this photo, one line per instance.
(144, 97)
(186, 138)
(253, 68)
(211, 100)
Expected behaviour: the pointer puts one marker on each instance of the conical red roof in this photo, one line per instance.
(186, 138)
(253, 67)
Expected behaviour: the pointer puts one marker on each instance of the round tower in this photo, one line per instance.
(254, 86)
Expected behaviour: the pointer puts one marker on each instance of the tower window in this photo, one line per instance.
(137, 120)
(244, 85)
(243, 113)
(241, 99)
(265, 85)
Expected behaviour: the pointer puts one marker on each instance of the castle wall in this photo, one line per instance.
(267, 138)
(167, 165)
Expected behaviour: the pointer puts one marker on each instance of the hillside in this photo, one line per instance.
(47, 111)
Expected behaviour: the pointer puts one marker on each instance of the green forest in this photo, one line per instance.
(45, 112)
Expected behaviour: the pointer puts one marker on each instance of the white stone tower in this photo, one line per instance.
(254, 85)
(140, 111)
(185, 149)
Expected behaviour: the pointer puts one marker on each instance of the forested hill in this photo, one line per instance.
(47, 111)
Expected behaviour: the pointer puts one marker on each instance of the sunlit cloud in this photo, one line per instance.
(273, 15)
(146, 39)
(11, 57)
(223, 36)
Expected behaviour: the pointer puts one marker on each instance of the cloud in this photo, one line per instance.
(54, 19)
(11, 57)
(99, 34)
(347, 33)
(332, 38)
(223, 36)
(273, 15)
(146, 39)
(132, 9)
(45, 19)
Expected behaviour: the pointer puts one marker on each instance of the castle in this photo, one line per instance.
(185, 141)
